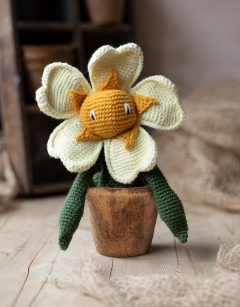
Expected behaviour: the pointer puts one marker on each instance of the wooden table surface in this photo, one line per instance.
(29, 252)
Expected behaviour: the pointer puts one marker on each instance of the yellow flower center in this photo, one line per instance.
(110, 112)
(113, 112)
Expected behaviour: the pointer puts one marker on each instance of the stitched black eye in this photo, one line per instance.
(127, 108)
(92, 115)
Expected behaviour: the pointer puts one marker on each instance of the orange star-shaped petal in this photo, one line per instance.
(129, 136)
(77, 98)
(111, 83)
(143, 102)
(87, 135)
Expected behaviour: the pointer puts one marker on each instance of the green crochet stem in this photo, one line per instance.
(72, 210)
(168, 204)
(104, 179)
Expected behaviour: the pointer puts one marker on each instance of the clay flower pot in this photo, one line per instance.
(122, 220)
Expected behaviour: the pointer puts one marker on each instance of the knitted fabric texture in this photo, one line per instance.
(52, 97)
(104, 179)
(168, 204)
(111, 83)
(128, 148)
(73, 207)
(77, 99)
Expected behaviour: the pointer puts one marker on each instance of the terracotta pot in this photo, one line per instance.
(122, 220)
(35, 59)
(103, 12)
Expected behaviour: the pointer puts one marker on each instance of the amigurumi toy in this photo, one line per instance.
(102, 139)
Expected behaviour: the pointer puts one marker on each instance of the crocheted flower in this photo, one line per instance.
(109, 114)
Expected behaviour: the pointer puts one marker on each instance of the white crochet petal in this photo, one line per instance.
(125, 165)
(57, 79)
(168, 114)
(127, 60)
(76, 156)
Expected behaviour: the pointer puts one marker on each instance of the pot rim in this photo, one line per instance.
(130, 188)
(122, 192)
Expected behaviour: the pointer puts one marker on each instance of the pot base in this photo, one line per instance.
(122, 220)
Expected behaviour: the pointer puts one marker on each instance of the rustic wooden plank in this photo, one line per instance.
(49, 264)
(30, 257)
(27, 235)
(63, 297)
(4, 217)
(17, 230)
(197, 258)
(161, 258)
(226, 227)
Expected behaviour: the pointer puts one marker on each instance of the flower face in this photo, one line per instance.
(109, 114)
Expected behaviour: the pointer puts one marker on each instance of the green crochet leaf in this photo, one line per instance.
(72, 210)
(168, 204)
